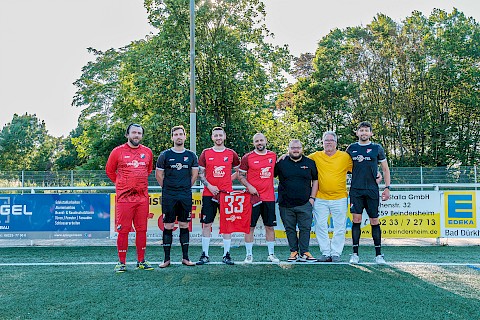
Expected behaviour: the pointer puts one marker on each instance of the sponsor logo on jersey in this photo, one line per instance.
(211, 159)
(304, 167)
(136, 163)
(127, 157)
(218, 171)
(361, 158)
(256, 161)
(265, 173)
(179, 166)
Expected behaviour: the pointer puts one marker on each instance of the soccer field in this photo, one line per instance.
(79, 283)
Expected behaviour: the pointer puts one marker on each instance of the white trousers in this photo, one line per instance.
(321, 211)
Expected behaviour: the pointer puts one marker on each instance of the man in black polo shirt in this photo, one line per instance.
(298, 185)
(177, 170)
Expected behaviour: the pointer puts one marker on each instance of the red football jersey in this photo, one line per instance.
(218, 168)
(235, 212)
(259, 169)
(129, 169)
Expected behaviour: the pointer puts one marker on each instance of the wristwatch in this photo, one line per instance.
(387, 187)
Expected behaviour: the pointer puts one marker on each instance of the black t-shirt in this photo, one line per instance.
(295, 181)
(177, 168)
(366, 158)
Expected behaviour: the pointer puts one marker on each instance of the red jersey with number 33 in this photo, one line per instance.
(218, 168)
(259, 169)
(235, 212)
(129, 169)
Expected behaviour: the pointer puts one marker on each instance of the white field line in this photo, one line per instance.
(282, 264)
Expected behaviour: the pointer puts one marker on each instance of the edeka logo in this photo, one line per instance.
(460, 209)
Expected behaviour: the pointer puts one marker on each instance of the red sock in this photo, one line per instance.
(122, 246)
(141, 243)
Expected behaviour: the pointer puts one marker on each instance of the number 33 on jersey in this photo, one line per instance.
(235, 212)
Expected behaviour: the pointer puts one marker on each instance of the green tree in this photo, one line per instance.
(26, 145)
(238, 75)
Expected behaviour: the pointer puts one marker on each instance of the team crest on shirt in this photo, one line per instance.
(185, 159)
(218, 171)
(225, 159)
(270, 160)
(265, 173)
(142, 155)
(369, 150)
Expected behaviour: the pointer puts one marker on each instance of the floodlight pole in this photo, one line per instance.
(193, 108)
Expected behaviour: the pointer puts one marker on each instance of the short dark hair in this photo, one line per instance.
(218, 129)
(365, 124)
(175, 128)
(134, 125)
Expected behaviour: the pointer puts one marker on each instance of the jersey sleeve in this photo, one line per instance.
(236, 160)
(111, 166)
(244, 163)
(150, 163)
(202, 162)
(314, 171)
(381, 154)
(161, 161)
(194, 161)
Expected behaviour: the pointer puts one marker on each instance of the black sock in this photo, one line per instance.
(356, 236)
(184, 240)
(167, 243)
(377, 239)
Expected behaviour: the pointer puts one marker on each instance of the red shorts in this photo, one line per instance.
(127, 213)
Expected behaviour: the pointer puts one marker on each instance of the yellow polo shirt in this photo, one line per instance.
(332, 174)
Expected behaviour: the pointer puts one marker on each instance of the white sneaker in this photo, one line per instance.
(272, 258)
(354, 258)
(380, 259)
(248, 259)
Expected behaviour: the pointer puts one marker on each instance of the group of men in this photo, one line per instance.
(307, 184)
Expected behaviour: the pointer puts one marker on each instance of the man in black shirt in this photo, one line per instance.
(364, 193)
(177, 170)
(298, 185)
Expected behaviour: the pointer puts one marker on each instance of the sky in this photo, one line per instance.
(43, 43)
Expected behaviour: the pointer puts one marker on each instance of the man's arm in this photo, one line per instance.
(242, 177)
(111, 167)
(160, 175)
(201, 176)
(314, 191)
(386, 177)
(194, 175)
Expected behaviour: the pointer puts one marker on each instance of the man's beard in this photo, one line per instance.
(295, 157)
(133, 142)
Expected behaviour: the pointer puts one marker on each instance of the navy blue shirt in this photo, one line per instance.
(295, 181)
(366, 158)
(177, 167)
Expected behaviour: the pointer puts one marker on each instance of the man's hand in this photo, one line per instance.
(213, 189)
(386, 194)
(252, 190)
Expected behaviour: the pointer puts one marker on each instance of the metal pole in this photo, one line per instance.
(193, 108)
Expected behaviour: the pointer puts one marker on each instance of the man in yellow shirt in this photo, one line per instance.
(332, 166)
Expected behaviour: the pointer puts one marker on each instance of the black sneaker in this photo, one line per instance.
(203, 259)
(227, 259)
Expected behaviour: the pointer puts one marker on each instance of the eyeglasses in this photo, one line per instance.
(295, 148)
(329, 140)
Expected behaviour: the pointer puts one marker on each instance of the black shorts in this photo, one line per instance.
(179, 208)
(364, 199)
(266, 209)
(209, 209)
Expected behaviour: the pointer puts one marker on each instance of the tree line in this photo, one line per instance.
(416, 80)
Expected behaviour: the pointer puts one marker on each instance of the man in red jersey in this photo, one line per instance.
(129, 166)
(215, 169)
(256, 174)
